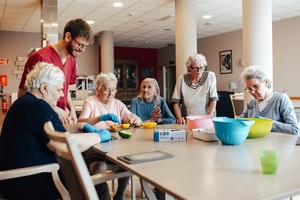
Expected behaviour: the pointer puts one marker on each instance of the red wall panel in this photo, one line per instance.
(146, 58)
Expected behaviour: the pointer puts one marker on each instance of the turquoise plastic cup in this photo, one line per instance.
(269, 160)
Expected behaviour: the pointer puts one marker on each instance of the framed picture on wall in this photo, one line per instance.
(225, 62)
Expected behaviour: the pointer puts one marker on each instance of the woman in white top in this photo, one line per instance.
(196, 90)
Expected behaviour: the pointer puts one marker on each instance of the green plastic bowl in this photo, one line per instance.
(260, 128)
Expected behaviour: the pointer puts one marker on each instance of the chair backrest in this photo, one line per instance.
(33, 170)
(73, 167)
(237, 101)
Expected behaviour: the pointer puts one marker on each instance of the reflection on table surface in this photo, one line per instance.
(210, 170)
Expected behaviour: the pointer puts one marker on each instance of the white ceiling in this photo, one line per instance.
(139, 23)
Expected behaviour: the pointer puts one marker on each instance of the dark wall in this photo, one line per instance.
(146, 58)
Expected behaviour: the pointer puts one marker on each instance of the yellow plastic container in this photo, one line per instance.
(260, 128)
(149, 124)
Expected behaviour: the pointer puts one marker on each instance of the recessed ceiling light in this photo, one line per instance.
(118, 4)
(90, 22)
(206, 16)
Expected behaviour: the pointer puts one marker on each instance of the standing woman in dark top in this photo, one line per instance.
(23, 140)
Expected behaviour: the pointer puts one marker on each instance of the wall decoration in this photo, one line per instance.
(147, 73)
(226, 62)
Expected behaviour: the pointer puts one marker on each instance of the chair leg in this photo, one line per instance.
(133, 192)
(113, 185)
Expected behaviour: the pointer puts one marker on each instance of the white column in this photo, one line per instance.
(186, 33)
(257, 35)
(107, 51)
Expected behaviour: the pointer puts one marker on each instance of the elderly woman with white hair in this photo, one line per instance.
(267, 103)
(103, 107)
(150, 106)
(196, 90)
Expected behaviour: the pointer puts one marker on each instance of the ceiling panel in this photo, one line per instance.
(139, 23)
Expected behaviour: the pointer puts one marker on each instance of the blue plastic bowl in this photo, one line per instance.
(232, 131)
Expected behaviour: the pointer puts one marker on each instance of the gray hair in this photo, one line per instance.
(156, 98)
(45, 73)
(196, 57)
(257, 72)
(104, 78)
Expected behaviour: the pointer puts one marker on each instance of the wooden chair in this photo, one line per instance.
(78, 180)
(237, 101)
(28, 171)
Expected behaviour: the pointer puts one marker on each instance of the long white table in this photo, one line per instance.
(210, 170)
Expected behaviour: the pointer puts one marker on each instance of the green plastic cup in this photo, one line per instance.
(269, 160)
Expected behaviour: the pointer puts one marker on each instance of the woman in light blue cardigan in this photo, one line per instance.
(149, 106)
(268, 104)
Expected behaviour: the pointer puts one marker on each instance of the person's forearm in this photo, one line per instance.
(74, 128)
(92, 121)
(177, 110)
(86, 140)
(70, 103)
(212, 108)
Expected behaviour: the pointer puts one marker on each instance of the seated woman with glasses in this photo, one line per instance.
(104, 102)
(267, 103)
(196, 90)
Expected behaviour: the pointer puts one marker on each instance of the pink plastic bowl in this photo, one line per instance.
(202, 121)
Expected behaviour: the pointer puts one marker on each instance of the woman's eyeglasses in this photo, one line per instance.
(106, 90)
(197, 69)
(253, 88)
(80, 45)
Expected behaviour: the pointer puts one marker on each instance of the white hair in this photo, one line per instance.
(257, 72)
(45, 73)
(104, 78)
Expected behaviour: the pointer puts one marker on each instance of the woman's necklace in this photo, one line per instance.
(195, 84)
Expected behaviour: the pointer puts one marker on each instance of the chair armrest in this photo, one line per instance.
(27, 171)
(109, 175)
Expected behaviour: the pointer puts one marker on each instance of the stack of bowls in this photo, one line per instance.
(201, 121)
(232, 131)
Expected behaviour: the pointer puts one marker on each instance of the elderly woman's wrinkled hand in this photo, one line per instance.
(134, 120)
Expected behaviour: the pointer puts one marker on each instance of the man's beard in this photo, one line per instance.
(70, 50)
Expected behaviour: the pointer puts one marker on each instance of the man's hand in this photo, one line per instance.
(73, 116)
(63, 115)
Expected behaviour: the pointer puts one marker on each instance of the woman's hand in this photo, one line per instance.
(156, 114)
(134, 120)
(180, 120)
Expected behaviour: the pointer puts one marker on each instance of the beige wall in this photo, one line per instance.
(286, 52)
